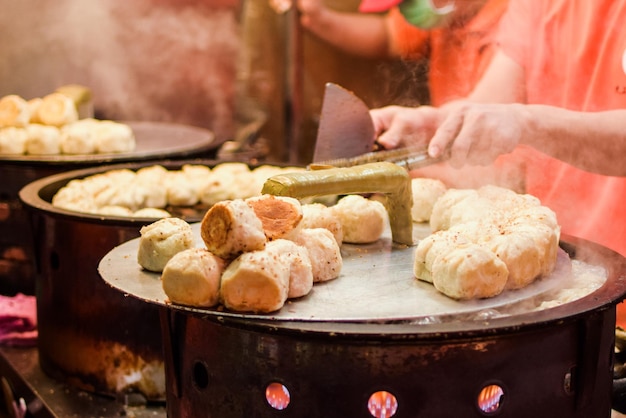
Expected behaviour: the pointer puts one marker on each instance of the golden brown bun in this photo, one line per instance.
(230, 228)
(192, 277)
(279, 215)
(256, 281)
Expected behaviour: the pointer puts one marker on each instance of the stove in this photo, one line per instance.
(44, 397)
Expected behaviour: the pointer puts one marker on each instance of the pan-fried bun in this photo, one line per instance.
(426, 192)
(300, 266)
(57, 109)
(469, 273)
(113, 137)
(458, 267)
(192, 277)
(43, 140)
(13, 140)
(161, 240)
(256, 281)
(324, 252)
(362, 220)
(318, 215)
(78, 137)
(279, 214)
(515, 228)
(151, 213)
(230, 228)
(14, 111)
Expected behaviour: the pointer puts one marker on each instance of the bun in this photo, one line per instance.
(161, 240)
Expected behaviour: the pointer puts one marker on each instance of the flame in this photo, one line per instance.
(277, 396)
(490, 398)
(382, 404)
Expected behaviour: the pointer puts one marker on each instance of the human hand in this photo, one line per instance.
(310, 11)
(476, 134)
(397, 126)
(466, 133)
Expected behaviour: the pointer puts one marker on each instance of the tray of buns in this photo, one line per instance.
(376, 284)
(153, 140)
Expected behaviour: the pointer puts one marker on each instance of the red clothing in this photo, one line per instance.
(458, 55)
(374, 6)
(574, 56)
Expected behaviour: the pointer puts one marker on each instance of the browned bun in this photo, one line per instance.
(230, 228)
(279, 215)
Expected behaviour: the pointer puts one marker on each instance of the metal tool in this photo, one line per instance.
(410, 158)
(346, 128)
(346, 136)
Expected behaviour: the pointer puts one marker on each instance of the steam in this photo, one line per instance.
(166, 60)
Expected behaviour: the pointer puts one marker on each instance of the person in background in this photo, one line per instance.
(556, 88)
(457, 40)
(457, 37)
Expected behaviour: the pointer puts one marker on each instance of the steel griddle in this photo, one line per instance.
(376, 284)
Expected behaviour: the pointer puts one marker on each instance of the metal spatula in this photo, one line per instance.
(410, 158)
(346, 128)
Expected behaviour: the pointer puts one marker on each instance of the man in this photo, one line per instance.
(457, 40)
(557, 86)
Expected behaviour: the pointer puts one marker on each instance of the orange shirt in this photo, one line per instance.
(458, 55)
(574, 56)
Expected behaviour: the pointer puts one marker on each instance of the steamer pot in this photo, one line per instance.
(91, 336)
(552, 362)
(155, 141)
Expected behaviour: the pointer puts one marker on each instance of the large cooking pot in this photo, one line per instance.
(353, 348)
(154, 141)
(90, 335)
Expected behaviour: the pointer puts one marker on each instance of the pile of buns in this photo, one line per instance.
(149, 191)
(59, 123)
(485, 241)
(258, 252)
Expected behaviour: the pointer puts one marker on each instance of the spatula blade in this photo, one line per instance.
(346, 128)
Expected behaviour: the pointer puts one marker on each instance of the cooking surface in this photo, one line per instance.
(376, 284)
(153, 140)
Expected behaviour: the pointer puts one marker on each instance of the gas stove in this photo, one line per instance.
(43, 397)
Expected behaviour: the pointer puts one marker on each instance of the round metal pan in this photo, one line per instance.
(38, 194)
(154, 140)
(376, 286)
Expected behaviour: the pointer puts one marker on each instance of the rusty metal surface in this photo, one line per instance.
(45, 397)
(557, 370)
(91, 336)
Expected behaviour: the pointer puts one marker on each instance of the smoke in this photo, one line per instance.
(166, 60)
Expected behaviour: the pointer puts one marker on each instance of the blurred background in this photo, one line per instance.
(239, 68)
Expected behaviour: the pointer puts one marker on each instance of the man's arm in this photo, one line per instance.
(360, 34)
(592, 141)
(502, 82)
(494, 120)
